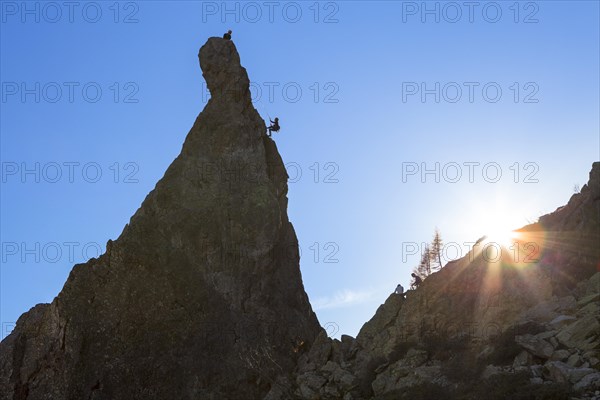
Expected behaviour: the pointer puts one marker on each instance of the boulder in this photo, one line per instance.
(537, 370)
(558, 371)
(590, 298)
(344, 379)
(560, 355)
(588, 382)
(561, 321)
(310, 384)
(577, 374)
(538, 347)
(330, 367)
(524, 358)
(593, 285)
(491, 370)
(546, 335)
(574, 360)
(581, 334)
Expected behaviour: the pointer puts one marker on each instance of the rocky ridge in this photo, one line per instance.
(510, 327)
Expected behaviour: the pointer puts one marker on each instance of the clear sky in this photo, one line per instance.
(498, 100)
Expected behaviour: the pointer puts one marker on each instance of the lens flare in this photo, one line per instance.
(504, 238)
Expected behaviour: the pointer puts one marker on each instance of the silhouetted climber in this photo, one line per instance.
(417, 279)
(274, 126)
(399, 290)
(227, 36)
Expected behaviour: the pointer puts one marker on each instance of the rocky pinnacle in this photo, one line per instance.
(201, 296)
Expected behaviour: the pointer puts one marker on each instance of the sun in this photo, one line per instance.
(502, 236)
(496, 221)
(499, 228)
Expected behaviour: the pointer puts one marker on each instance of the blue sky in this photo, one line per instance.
(119, 86)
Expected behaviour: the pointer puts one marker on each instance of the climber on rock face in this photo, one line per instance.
(274, 126)
(227, 36)
(417, 279)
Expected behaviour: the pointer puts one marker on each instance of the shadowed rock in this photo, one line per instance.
(201, 295)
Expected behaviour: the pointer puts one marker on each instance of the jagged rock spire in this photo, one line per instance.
(200, 296)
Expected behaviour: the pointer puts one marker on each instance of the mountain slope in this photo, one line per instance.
(522, 323)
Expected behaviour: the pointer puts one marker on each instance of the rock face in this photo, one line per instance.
(200, 296)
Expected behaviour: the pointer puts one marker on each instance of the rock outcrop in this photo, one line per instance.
(521, 323)
(201, 295)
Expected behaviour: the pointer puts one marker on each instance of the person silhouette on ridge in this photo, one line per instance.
(417, 279)
(227, 36)
(274, 126)
(399, 290)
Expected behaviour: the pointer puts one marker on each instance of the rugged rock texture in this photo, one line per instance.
(525, 324)
(201, 296)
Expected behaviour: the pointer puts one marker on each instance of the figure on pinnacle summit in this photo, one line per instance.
(274, 126)
(227, 36)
